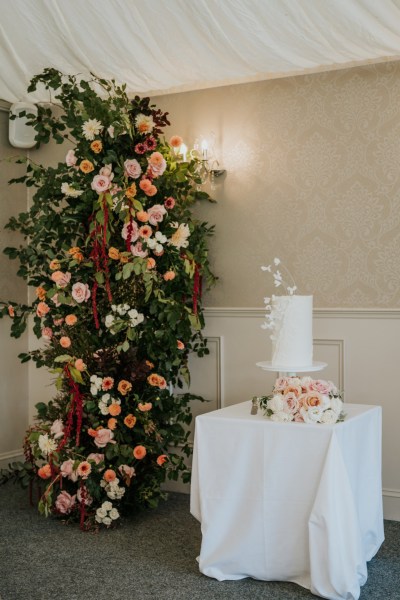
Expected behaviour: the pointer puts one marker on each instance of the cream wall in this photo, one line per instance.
(313, 177)
(14, 400)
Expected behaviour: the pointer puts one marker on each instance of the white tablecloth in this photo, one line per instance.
(289, 501)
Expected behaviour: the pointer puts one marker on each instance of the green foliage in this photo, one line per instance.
(118, 262)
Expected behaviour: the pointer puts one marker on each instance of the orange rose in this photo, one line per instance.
(149, 364)
(65, 341)
(86, 166)
(123, 258)
(96, 146)
(112, 423)
(79, 364)
(113, 253)
(109, 475)
(74, 250)
(131, 191)
(40, 293)
(169, 276)
(157, 381)
(71, 320)
(114, 409)
(151, 263)
(180, 345)
(42, 309)
(92, 432)
(139, 452)
(55, 265)
(44, 472)
(144, 407)
(142, 216)
(130, 421)
(11, 311)
(161, 459)
(124, 387)
(151, 191)
(145, 184)
(176, 141)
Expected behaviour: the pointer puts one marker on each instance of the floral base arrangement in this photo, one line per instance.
(117, 262)
(303, 400)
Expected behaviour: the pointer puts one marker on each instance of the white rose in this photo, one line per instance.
(107, 521)
(329, 417)
(107, 506)
(114, 514)
(311, 415)
(109, 320)
(281, 417)
(337, 405)
(101, 512)
(276, 403)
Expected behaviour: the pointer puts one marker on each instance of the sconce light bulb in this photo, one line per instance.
(183, 151)
(204, 149)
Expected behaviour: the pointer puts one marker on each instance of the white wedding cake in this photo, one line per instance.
(292, 338)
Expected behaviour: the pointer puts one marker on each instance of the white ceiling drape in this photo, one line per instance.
(159, 46)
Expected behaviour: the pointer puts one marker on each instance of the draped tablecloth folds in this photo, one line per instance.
(289, 501)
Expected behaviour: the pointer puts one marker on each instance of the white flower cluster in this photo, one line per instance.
(104, 403)
(95, 384)
(69, 190)
(112, 489)
(106, 514)
(156, 243)
(123, 316)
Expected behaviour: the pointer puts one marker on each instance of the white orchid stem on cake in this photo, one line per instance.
(289, 318)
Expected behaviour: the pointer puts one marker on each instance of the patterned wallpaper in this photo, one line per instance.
(313, 177)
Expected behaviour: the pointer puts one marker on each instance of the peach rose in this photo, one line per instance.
(45, 472)
(151, 263)
(71, 320)
(109, 475)
(61, 279)
(142, 216)
(293, 389)
(40, 292)
(180, 345)
(124, 387)
(169, 276)
(312, 399)
(114, 409)
(157, 164)
(86, 166)
(113, 253)
(80, 365)
(47, 333)
(157, 381)
(176, 141)
(74, 250)
(54, 265)
(84, 469)
(42, 309)
(144, 407)
(112, 423)
(139, 452)
(65, 341)
(11, 311)
(161, 459)
(130, 421)
(96, 146)
(131, 191)
(65, 502)
(145, 184)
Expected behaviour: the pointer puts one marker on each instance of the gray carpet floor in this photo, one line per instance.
(152, 556)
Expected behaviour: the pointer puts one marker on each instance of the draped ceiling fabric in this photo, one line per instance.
(160, 46)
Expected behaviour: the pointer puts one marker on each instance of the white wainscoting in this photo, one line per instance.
(361, 347)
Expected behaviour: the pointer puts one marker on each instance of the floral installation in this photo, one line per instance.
(117, 262)
(303, 400)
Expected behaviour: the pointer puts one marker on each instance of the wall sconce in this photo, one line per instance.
(207, 167)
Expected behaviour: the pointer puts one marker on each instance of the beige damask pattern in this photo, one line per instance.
(313, 177)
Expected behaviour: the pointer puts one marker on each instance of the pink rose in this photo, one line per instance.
(298, 418)
(132, 229)
(61, 279)
(71, 159)
(290, 403)
(156, 214)
(137, 250)
(280, 384)
(80, 292)
(321, 386)
(96, 457)
(107, 172)
(47, 333)
(103, 437)
(100, 183)
(157, 164)
(67, 470)
(42, 309)
(126, 470)
(132, 168)
(57, 429)
(65, 502)
(55, 301)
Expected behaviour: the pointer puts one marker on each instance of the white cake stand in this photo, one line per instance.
(291, 371)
